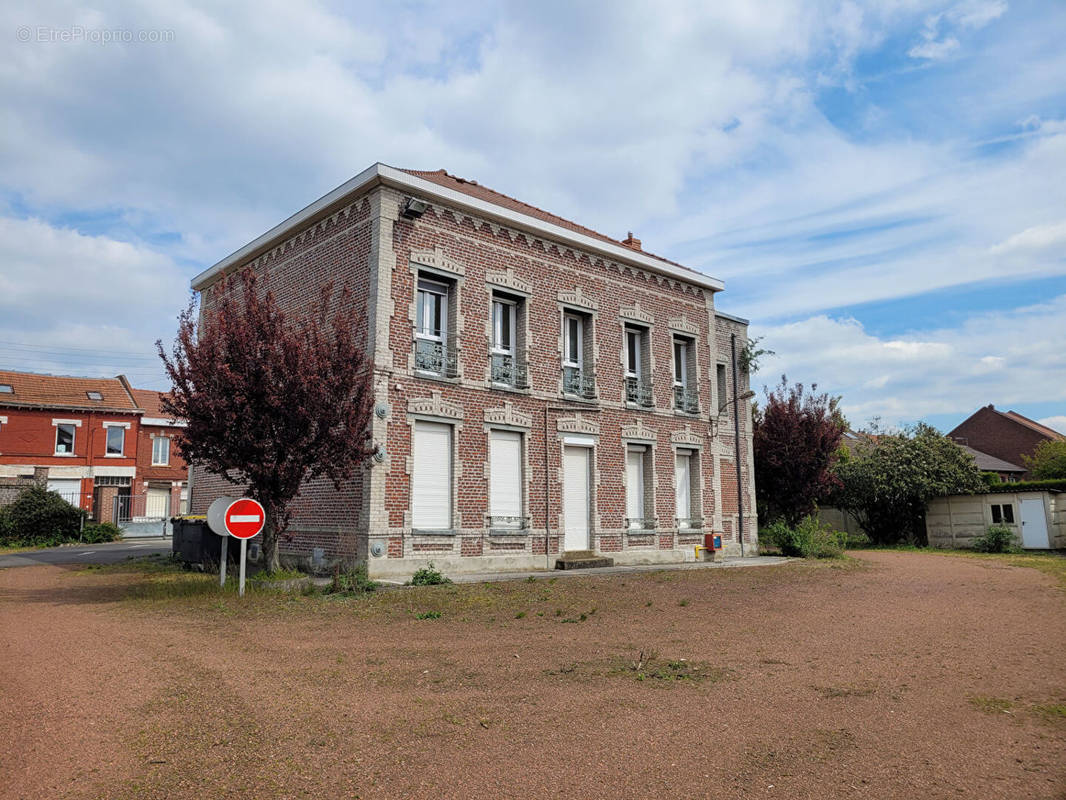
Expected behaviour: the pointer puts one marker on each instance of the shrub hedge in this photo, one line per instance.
(39, 518)
(1028, 486)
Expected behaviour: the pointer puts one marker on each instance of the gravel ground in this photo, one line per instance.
(904, 675)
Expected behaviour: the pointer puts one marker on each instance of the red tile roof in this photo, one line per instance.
(474, 189)
(1036, 426)
(149, 401)
(60, 391)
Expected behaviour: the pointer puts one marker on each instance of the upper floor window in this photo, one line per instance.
(64, 438)
(434, 353)
(686, 397)
(6, 388)
(577, 372)
(719, 374)
(638, 385)
(116, 440)
(160, 451)
(507, 368)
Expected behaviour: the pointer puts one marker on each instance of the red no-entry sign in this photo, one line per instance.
(245, 518)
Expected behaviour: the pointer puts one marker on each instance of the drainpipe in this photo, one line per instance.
(547, 489)
(736, 438)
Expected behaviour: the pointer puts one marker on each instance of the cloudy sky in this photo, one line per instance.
(881, 185)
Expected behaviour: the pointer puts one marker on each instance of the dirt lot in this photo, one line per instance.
(900, 675)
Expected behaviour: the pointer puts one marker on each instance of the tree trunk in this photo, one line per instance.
(271, 557)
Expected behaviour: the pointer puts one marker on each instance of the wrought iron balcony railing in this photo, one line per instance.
(578, 382)
(638, 391)
(690, 523)
(640, 523)
(686, 399)
(509, 371)
(435, 358)
(508, 523)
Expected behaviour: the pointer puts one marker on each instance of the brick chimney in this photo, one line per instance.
(630, 242)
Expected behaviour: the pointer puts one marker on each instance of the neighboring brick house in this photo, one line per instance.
(1007, 435)
(161, 471)
(77, 436)
(539, 387)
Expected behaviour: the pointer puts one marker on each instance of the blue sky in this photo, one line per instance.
(881, 186)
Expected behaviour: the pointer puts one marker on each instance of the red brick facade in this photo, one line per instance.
(1005, 435)
(365, 241)
(87, 475)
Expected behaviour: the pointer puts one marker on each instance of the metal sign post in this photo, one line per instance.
(244, 561)
(222, 562)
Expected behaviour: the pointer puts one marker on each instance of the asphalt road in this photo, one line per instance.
(108, 553)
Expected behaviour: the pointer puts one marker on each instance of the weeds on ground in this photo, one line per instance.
(997, 539)
(428, 576)
(351, 582)
(991, 705)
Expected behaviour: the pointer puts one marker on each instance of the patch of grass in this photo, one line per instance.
(520, 615)
(428, 576)
(429, 615)
(1052, 712)
(682, 603)
(1053, 564)
(352, 582)
(991, 705)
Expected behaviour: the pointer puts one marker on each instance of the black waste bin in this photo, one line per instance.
(195, 544)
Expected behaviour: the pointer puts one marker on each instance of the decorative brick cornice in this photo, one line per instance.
(508, 280)
(579, 299)
(508, 416)
(636, 313)
(684, 325)
(686, 437)
(435, 406)
(436, 259)
(577, 424)
(638, 431)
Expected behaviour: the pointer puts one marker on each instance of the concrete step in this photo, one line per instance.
(582, 559)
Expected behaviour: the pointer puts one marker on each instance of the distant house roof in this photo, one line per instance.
(1036, 426)
(149, 401)
(32, 390)
(987, 463)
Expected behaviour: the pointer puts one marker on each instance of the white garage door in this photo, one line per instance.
(505, 481)
(576, 498)
(67, 488)
(431, 483)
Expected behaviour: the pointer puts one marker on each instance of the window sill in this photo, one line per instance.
(506, 533)
(114, 455)
(631, 406)
(65, 455)
(576, 398)
(690, 414)
(432, 532)
(506, 387)
(434, 376)
(159, 465)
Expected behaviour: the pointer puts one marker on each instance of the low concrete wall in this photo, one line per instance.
(955, 521)
(839, 520)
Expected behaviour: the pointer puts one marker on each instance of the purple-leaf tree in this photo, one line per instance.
(270, 399)
(796, 437)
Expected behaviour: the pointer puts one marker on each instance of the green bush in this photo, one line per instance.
(96, 532)
(1029, 486)
(41, 518)
(856, 539)
(354, 581)
(997, 539)
(809, 539)
(991, 478)
(428, 576)
(7, 530)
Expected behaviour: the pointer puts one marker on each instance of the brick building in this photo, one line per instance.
(84, 438)
(540, 387)
(1007, 435)
(161, 471)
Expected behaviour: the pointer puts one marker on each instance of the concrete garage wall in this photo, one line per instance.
(957, 520)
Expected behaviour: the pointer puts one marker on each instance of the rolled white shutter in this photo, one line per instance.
(682, 477)
(634, 484)
(505, 471)
(431, 483)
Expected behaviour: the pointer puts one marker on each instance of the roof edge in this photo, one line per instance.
(731, 317)
(382, 173)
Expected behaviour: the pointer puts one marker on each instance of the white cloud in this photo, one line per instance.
(1012, 357)
(1036, 238)
(1057, 422)
(934, 49)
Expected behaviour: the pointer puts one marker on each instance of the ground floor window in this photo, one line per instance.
(1003, 513)
(431, 478)
(505, 479)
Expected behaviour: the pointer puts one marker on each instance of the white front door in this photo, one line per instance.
(1034, 525)
(576, 498)
(157, 504)
(431, 483)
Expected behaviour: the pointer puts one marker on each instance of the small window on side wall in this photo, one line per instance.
(1003, 514)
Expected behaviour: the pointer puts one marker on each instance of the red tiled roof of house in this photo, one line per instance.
(29, 389)
(1036, 426)
(149, 401)
(474, 189)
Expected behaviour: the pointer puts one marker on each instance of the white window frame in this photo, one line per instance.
(500, 307)
(633, 351)
(108, 426)
(641, 494)
(73, 425)
(579, 329)
(681, 356)
(166, 461)
(521, 475)
(428, 289)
